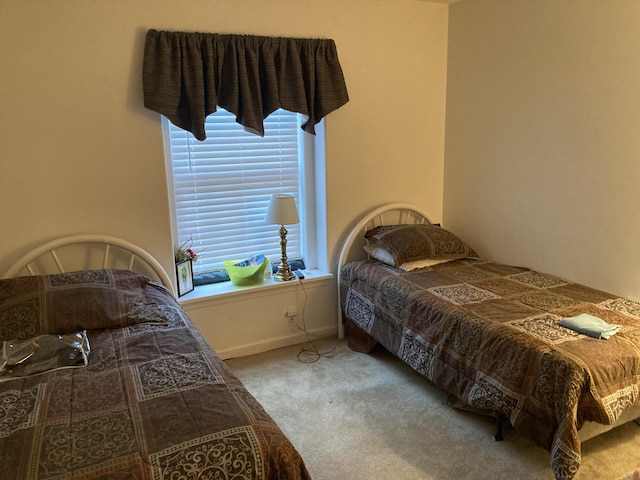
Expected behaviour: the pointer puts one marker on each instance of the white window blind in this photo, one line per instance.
(222, 187)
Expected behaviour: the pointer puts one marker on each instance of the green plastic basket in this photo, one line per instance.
(243, 276)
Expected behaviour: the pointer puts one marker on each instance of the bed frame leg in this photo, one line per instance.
(500, 422)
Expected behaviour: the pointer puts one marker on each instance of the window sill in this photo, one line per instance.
(225, 292)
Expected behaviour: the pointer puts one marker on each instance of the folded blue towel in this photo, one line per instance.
(590, 325)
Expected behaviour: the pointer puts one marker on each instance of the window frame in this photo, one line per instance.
(311, 186)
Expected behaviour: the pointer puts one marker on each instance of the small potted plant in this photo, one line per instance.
(184, 252)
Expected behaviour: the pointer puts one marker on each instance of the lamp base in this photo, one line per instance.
(284, 273)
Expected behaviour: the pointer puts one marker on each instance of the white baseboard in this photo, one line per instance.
(273, 343)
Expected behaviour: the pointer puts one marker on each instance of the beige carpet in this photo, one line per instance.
(357, 416)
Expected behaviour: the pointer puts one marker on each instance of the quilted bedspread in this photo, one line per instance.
(490, 334)
(154, 401)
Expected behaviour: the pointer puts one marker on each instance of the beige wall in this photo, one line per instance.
(79, 153)
(542, 162)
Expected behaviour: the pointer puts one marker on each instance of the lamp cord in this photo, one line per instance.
(309, 353)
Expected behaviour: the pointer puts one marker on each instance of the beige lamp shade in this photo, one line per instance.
(282, 210)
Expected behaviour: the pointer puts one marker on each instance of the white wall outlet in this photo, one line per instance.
(292, 312)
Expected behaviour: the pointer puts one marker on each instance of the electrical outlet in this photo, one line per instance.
(292, 312)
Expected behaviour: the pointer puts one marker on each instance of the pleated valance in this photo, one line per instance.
(187, 75)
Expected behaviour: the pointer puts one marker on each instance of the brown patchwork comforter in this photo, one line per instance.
(490, 334)
(154, 401)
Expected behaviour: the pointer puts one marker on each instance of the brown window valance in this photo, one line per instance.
(187, 75)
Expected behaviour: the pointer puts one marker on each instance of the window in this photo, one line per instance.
(221, 187)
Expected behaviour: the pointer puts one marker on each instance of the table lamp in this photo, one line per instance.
(282, 211)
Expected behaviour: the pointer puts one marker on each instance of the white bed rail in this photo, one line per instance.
(131, 252)
(390, 214)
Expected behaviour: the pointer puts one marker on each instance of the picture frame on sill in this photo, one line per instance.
(184, 275)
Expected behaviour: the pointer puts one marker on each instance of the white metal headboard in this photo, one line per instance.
(390, 214)
(133, 256)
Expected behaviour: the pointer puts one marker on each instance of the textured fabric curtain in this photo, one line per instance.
(187, 75)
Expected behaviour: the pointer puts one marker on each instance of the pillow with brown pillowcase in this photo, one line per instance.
(401, 244)
(74, 301)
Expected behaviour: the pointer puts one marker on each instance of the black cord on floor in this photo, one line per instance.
(309, 353)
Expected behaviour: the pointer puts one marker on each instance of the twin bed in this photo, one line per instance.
(154, 401)
(490, 334)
